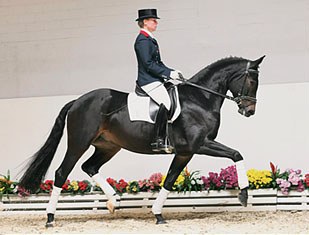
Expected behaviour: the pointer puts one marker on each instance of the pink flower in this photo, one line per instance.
(156, 178)
(284, 185)
(294, 178)
(300, 187)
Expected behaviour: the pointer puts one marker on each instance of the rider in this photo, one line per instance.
(152, 73)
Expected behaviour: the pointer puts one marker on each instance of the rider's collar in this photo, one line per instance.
(146, 33)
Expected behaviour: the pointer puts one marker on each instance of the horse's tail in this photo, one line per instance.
(41, 160)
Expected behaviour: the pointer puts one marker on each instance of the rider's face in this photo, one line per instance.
(151, 24)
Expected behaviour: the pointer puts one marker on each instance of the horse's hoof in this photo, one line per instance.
(50, 220)
(160, 219)
(49, 224)
(243, 197)
(110, 206)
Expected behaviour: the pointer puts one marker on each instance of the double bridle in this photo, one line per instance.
(240, 96)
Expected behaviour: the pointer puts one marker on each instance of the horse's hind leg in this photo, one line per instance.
(178, 164)
(71, 157)
(81, 133)
(92, 166)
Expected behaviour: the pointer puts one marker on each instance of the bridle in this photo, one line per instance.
(238, 99)
(241, 95)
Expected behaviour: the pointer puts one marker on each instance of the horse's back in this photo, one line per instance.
(101, 93)
(97, 98)
(89, 110)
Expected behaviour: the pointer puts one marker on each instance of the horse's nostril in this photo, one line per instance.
(251, 112)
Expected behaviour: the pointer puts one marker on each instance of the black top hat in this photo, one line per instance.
(147, 13)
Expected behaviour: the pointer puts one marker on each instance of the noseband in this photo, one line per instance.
(240, 96)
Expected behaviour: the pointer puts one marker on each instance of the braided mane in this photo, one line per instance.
(215, 66)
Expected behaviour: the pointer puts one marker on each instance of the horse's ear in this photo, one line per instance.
(255, 64)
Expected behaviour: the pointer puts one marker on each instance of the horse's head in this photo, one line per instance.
(244, 85)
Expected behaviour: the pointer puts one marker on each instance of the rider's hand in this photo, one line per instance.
(176, 74)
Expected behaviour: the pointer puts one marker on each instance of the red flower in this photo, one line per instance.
(273, 168)
(42, 186)
(47, 186)
(121, 185)
(112, 182)
(65, 186)
(82, 186)
(307, 180)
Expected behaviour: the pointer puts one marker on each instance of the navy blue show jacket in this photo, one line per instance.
(150, 66)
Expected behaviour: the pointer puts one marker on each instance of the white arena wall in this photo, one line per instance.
(277, 132)
(52, 51)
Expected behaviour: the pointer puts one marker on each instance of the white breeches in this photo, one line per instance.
(158, 93)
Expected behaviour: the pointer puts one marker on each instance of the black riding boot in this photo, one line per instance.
(161, 141)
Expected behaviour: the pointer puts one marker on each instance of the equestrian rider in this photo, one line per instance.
(152, 73)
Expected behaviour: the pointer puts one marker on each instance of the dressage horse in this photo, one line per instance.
(100, 118)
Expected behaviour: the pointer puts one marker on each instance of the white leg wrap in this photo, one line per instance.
(108, 191)
(52, 204)
(159, 202)
(105, 186)
(242, 174)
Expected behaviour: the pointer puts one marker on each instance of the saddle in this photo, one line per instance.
(142, 108)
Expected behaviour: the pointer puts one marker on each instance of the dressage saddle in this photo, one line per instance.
(154, 107)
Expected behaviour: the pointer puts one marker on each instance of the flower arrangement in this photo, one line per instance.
(229, 177)
(185, 182)
(6, 185)
(153, 184)
(259, 179)
(73, 187)
(288, 180)
(226, 179)
(119, 186)
(76, 187)
(133, 187)
(46, 186)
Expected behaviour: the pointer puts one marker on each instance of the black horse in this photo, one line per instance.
(100, 118)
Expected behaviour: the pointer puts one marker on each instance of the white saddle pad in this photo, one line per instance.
(138, 107)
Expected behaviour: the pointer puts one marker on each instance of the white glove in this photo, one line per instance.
(176, 74)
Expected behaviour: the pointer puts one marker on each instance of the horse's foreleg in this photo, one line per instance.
(92, 166)
(216, 149)
(179, 162)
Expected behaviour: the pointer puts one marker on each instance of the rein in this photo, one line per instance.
(237, 99)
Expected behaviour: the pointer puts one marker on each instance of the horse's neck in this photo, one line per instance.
(214, 80)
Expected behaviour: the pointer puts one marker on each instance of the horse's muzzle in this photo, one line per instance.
(247, 111)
